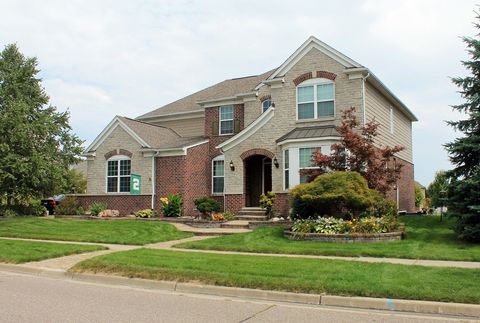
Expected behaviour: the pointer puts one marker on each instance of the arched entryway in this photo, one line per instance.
(257, 175)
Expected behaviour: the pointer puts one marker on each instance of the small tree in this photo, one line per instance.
(464, 189)
(419, 195)
(75, 182)
(357, 152)
(437, 189)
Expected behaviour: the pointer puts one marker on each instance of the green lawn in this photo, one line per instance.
(427, 238)
(17, 251)
(113, 231)
(336, 277)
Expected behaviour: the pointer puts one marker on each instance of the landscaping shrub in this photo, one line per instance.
(145, 213)
(338, 194)
(267, 201)
(32, 207)
(69, 206)
(228, 216)
(172, 205)
(218, 217)
(97, 207)
(206, 205)
(332, 225)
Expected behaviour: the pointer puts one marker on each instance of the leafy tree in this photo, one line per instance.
(437, 190)
(357, 152)
(419, 195)
(464, 189)
(36, 143)
(75, 182)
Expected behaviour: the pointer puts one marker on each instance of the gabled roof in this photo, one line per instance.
(223, 89)
(149, 136)
(310, 43)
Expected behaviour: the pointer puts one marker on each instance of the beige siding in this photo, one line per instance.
(185, 127)
(97, 168)
(347, 93)
(378, 107)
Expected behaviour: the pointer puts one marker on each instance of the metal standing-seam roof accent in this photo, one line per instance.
(310, 132)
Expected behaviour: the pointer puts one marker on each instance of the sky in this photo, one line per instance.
(101, 58)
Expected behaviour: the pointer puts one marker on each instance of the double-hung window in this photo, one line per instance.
(118, 175)
(316, 100)
(226, 120)
(218, 175)
(306, 160)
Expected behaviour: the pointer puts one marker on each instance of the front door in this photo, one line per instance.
(258, 178)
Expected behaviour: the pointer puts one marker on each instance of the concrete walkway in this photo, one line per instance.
(207, 231)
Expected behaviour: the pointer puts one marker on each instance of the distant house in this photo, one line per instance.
(242, 137)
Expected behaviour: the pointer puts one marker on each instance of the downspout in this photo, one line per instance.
(363, 98)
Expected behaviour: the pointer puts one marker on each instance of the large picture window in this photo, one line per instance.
(218, 175)
(118, 175)
(226, 120)
(315, 100)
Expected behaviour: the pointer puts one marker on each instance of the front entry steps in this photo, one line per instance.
(235, 224)
(251, 214)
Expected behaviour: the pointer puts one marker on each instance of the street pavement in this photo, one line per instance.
(25, 298)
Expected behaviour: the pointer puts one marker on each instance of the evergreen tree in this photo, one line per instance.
(464, 189)
(36, 143)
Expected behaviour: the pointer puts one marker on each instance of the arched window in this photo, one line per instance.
(118, 174)
(266, 104)
(315, 99)
(218, 174)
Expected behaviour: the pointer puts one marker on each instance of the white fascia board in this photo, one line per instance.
(175, 116)
(109, 129)
(310, 43)
(163, 152)
(248, 131)
(300, 140)
(197, 144)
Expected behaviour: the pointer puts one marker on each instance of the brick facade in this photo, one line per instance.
(234, 202)
(406, 187)
(125, 203)
(281, 208)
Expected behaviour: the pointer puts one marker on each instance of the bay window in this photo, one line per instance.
(306, 160)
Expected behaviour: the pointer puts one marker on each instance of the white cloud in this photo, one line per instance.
(102, 58)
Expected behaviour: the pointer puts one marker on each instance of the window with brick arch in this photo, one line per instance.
(315, 99)
(118, 174)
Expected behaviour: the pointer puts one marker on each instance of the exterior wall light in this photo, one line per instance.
(275, 162)
(232, 166)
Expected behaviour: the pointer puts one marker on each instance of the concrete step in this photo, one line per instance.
(237, 224)
(251, 218)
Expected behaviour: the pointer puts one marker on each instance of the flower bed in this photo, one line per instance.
(344, 238)
(368, 229)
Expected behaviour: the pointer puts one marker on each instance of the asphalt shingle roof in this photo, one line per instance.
(227, 88)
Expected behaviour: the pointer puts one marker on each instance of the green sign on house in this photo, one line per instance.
(135, 184)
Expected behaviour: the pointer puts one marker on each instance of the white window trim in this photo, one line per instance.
(118, 176)
(284, 153)
(218, 158)
(262, 108)
(220, 120)
(314, 82)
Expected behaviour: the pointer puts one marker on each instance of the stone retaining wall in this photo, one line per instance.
(344, 238)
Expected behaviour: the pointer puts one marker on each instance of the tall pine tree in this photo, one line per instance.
(36, 143)
(464, 190)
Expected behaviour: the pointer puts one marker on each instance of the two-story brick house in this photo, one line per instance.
(245, 136)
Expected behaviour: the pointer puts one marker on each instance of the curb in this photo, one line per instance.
(386, 304)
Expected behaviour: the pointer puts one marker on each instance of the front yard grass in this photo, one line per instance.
(336, 277)
(18, 251)
(427, 238)
(112, 231)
